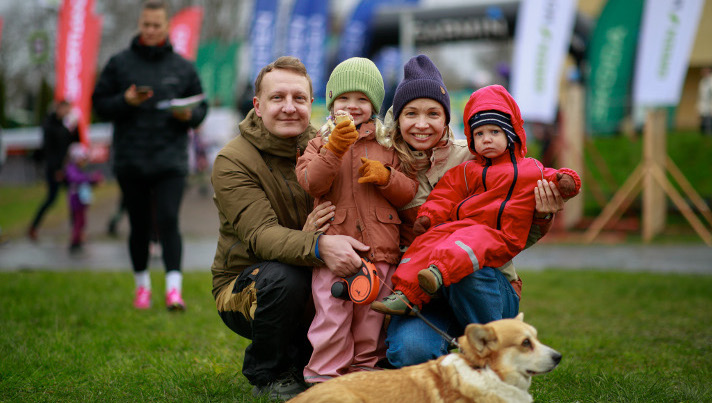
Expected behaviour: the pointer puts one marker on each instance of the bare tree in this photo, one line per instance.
(225, 20)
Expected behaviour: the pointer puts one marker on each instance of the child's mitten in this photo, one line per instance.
(341, 138)
(373, 171)
(568, 183)
(421, 225)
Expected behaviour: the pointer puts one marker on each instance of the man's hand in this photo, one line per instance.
(183, 114)
(421, 225)
(319, 219)
(339, 254)
(135, 98)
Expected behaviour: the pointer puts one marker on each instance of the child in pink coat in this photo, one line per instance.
(353, 170)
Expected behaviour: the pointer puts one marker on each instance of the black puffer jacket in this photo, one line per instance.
(147, 140)
(56, 139)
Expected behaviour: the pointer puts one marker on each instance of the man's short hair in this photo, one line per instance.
(285, 63)
(156, 5)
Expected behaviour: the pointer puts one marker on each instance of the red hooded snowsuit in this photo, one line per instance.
(480, 211)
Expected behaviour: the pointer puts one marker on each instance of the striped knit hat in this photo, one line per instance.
(497, 118)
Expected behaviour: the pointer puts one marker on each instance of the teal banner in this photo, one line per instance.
(611, 56)
(217, 67)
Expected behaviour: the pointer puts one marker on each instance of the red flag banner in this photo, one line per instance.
(78, 37)
(0, 30)
(185, 31)
(91, 52)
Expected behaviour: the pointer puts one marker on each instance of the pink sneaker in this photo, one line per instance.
(174, 301)
(143, 298)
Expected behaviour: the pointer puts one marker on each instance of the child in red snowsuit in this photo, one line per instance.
(479, 214)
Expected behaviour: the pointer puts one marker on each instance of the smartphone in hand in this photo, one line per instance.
(143, 90)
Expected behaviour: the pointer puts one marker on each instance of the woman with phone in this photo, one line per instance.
(150, 144)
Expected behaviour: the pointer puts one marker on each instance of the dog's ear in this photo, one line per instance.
(520, 316)
(482, 338)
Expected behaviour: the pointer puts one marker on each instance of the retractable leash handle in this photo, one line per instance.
(416, 311)
(361, 288)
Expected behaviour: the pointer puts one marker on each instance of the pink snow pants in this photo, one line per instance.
(346, 337)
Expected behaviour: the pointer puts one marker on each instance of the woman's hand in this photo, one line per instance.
(421, 225)
(183, 114)
(548, 199)
(319, 218)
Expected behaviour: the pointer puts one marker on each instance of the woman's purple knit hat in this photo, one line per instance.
(421, 79)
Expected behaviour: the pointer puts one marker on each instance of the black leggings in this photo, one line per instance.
(153, 201)
(53, 187)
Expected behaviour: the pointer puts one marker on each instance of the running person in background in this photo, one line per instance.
(59, 130)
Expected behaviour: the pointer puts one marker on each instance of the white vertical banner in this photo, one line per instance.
(666, 38)
(541, 40)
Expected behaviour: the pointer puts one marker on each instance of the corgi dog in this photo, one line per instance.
(495, 363)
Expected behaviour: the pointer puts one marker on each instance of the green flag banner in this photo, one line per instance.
(217, 67)
(611, 55)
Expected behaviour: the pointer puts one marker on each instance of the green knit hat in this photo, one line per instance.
(356, 74)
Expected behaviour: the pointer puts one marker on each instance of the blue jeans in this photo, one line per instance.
(481, 297)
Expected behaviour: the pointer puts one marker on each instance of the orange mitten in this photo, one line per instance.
(341, 138)
(568, 182)
(373, 171)
(421, 225)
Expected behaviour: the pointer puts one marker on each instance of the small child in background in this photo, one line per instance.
(480, 213)
(79, 184)
(351, 166)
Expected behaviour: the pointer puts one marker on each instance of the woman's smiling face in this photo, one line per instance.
(422, 123)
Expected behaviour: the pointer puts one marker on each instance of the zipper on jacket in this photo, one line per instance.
(294, 198)
(484, 185)
(286, 183)
(484, 173)
(229, 253)
(511, 189)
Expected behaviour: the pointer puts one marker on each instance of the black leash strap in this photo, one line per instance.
(451, 340)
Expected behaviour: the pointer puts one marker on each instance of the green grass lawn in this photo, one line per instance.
(621, 155)
(19, 203)
(73, 336)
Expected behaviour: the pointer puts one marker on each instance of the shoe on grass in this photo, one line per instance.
(143, 298)
(112, 227)
(287, 386)
(174, 301)
(32, 234)
(430, 279)
(394, 304)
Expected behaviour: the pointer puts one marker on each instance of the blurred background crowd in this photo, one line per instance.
(52, 50)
